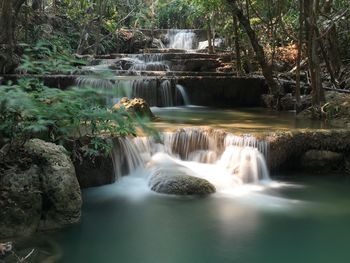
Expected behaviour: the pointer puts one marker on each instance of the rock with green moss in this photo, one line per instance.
(288, 148)
(20, 201)
(60, 187)
(178, 180)
(136, 106)
(42, 193)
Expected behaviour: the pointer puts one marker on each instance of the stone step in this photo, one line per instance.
(219, 90)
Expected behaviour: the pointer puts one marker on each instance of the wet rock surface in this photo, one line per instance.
(172, 178)
(136, 106)
(42, 195)
(131, 41)
(288, 148)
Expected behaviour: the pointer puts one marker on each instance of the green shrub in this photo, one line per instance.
(48, 58)
(31, 110)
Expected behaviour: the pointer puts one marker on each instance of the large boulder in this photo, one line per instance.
(136, 106)
(168, 177)
(39, 194)
(91, 170)
(21, 201)
(288, 148)
(131, 41)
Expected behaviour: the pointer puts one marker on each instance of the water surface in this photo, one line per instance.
(299, 220)
(238, 120)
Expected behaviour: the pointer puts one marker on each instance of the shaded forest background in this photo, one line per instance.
(273, 35)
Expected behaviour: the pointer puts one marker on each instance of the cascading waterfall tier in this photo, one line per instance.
(125, 156)
(162, 92)
(182, 39)
(223, 159)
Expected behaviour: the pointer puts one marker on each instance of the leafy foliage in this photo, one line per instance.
(48, 58)
(31, 110)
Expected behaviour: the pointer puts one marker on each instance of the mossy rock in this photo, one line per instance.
(177, 181)
(42, 194)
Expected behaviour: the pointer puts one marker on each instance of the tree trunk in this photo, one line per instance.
(249, 52)
(98, 28)
(37, 5)
(237, 47)
(258, 49)
(310, 8)
(210, 38)
(6, 24)
(300, 50)
(332, 40)
(8, 15)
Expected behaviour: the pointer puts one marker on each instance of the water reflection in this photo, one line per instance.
(234, 120)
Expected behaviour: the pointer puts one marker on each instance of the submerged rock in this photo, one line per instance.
(43, 194)
(172, 178)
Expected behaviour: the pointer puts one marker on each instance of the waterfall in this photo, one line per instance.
(148, 62)
(223, 159)
(156, 92)
(183, 93)
(158, 43)
(125, 156)
(94, 81)
(182, 39)
(166, 93)
(145, 89)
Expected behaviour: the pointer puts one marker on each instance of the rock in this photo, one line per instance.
(59, 185)
(195, 64)
(268, 101)
(287, 148)
(318, 160)
(91, 171)
(172, 178)
(131, 41)
(135, 106)
(44, 195)
(166, 182)
(288, 102)
(20, 202)
(305, 103)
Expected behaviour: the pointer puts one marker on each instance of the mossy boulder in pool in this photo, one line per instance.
(59, 185)
(180, 184)
(168, 177)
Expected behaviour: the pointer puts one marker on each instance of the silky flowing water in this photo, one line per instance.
(294, 218)
(250, 219)
(299, 220)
